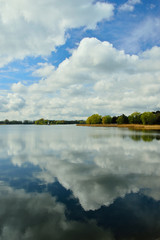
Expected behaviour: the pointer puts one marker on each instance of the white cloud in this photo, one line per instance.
(33, 28)
(96, 78)
(44, 70)
(129, 5)
(12, 102)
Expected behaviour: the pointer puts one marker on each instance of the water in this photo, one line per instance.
(68, 182)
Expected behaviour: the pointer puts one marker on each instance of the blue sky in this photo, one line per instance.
(70, 59)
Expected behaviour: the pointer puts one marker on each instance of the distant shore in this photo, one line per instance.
(130, 126)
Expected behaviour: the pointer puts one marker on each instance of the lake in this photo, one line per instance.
(68, 182)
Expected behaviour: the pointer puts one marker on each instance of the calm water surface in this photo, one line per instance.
(68, 182)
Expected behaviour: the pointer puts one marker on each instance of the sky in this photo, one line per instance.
(70, 59)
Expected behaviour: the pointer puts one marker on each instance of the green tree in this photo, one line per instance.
(60, 122)
(123, 119)
(148, 118)
(106, 119)
(157, 118)
(41, 121)
(135, 118)
(114, 119)
(94, 119)
(82, 122)
(6, 121)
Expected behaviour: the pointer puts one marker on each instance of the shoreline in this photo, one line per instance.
(130, 126)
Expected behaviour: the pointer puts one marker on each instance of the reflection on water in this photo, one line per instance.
(79, 183)
(145, 136)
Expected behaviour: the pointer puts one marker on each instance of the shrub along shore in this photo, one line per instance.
(146, 120)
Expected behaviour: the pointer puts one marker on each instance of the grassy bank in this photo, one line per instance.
(131, 126)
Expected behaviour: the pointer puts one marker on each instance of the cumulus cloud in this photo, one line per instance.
(44, 70)
(31, 28)
(129, 5)
(95, 78)
(12, 102)
(102, 165)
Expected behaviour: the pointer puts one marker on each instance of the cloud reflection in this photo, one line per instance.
(97, 165)
(38, 217)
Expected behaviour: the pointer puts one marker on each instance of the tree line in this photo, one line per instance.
(6, 121)
(146, 118)
(42, 121)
